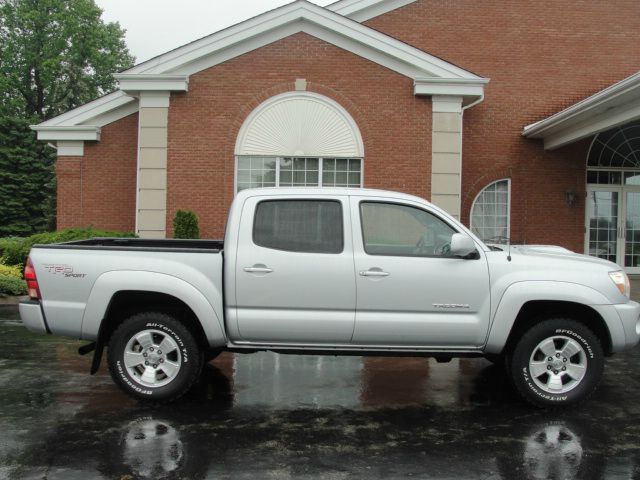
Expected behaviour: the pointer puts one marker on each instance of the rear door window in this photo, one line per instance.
(312, 226)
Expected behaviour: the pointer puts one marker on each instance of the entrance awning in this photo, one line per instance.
(614, 106)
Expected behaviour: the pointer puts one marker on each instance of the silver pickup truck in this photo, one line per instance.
(333, 271)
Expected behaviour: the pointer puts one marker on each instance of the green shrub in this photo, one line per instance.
(10, 271)
(12, 286)
(185, 225)
(8, 242)
(16, 251)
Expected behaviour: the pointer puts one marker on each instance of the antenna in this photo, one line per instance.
(508, 249)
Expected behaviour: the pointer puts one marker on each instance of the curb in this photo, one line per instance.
(10, 300)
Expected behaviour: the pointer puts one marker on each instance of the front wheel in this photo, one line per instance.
(557, 362)
(153, 356)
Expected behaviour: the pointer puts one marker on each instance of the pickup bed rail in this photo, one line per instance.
(144, 244)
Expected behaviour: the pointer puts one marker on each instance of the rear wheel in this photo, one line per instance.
(154, 356)
(557, 362)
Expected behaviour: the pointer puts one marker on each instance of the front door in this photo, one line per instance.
(613, 225)
(294, 271)
(410, 292)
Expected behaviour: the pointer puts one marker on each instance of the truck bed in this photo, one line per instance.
(77, 279)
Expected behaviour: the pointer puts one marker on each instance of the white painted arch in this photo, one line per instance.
(300, 124)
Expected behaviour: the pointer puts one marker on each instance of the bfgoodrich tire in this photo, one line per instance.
(153, 356)
(557, 362)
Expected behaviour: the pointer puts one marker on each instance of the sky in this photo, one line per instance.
(157, 26)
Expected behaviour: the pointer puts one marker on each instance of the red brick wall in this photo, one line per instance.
(541, 57)
(204, 123)
(99, 188)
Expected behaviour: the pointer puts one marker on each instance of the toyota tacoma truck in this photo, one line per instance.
(333, 272)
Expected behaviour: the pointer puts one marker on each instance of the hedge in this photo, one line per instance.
(7, 242)
(10, 271)
(16, 250)
(12, 286)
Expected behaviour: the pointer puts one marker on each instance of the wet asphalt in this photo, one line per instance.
(283, 416)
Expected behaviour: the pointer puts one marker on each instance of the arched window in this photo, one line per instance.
(616, 148)
(299, 139)
(490, 212)
(614, 156)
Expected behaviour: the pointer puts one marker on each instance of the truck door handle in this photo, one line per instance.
(374, 272)
(258, 269)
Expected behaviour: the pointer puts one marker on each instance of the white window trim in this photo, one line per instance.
(473, 204)
(279, 157)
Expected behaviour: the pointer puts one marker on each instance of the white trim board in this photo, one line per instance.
(363, 10)
(71, 133)
(609, 108)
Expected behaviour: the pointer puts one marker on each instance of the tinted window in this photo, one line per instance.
(392, 229)
(313, 226)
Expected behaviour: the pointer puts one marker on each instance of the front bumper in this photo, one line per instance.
(629, 314)
(32, 316)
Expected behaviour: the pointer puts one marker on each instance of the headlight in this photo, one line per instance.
(622, 282)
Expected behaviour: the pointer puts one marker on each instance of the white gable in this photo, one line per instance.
(431, 75)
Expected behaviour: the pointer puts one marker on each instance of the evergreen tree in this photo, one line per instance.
(185, 225)
(27, 180)
(54, 56)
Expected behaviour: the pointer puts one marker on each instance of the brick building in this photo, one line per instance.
(520, 118)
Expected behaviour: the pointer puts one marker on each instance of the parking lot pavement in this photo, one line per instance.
(275, 416)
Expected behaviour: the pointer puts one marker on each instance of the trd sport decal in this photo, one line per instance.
(64, 270)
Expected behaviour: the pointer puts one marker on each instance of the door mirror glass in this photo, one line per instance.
(462, 245)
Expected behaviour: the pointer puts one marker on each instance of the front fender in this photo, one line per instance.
(109, 283)
(517, 294)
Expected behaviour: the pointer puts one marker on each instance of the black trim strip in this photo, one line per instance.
(60, 246)
(44, 317)
(140, 244)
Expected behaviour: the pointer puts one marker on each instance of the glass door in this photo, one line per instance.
(613, 225)
(631, 246)
(603, 232)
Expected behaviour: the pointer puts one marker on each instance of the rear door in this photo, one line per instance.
(295, 278)
(410, 291)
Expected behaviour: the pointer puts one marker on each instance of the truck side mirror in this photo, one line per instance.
(462, 245)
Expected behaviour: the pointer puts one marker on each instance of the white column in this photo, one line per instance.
(151, 208)
(446, 156)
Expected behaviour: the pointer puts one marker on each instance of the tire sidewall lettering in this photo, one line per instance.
(125, 377)
(183, 349)
(570, 333)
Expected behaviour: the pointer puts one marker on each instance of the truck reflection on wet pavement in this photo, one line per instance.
(281, 416)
